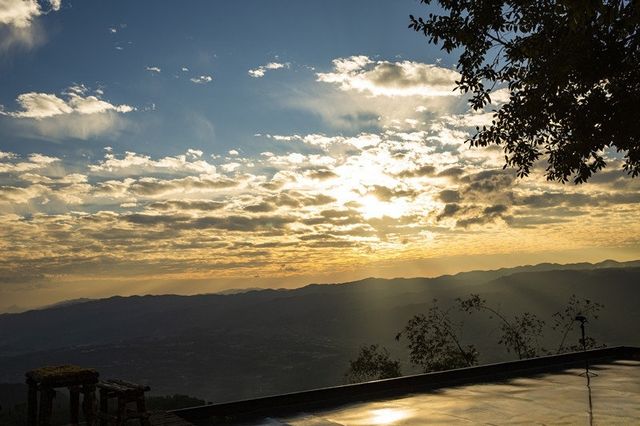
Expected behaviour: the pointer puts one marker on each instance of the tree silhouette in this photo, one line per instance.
(372, 363)
(521, 334)
(434, 342)
(572, 68)
(565, 322)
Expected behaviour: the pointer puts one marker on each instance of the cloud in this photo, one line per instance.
(318, 201)
(18, 22)
(425, 170)
(133, 164)
(44, 105)
(74, 113)
(262, 69)
(18, 195)
(153, 69)
(180, 205)
(34, 162)
(154, 187)
(360, 94)
(384, 78)
(322, 174)
(263, 207)
(489, 214)
(384, 193)
(237, 223)
(488, 181)
(449, 196)
(19, 13)
(203, 79)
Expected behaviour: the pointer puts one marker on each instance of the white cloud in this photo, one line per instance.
(203, 79)
(20, 195)
(262, 69)
(153, 69)
(196, 153)
(55, 4)
(74, 113)
(361, 94)
(44, 105)
(17, 22)
(6, 155)
(384, 78)
(40, 105)
(19, 13)
(136, 164)
(500, 96)
(34, 162)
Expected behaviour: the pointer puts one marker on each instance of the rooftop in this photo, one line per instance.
(561, 397)
(548, 390)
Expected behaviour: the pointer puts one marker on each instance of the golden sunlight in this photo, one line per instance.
(372, 207)
(387, 416)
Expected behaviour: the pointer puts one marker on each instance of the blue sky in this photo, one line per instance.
(192, 147)
(218, 39)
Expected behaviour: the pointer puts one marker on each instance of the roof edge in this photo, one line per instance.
(339, 395)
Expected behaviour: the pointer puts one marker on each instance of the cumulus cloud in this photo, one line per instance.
(74, 113)
(154, 187)
(319, 201)
(385, 78)
(18, 26)
(425, 170)
(132, 164)
(361, 94)
(44, 105)
(182, 205)
(203, 79)
(33, 162)
(19, 13)
(262, 69)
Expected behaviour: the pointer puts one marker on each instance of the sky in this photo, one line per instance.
(162, 147)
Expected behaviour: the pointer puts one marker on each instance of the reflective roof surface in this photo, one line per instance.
(611, 396)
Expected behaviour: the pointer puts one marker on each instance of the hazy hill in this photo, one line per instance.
(222, 347)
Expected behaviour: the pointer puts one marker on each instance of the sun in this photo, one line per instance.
(371, 207)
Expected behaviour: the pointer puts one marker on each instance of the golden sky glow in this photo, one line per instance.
(405, 199)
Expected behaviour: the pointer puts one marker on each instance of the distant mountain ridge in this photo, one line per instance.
(259, 342)
(484, 274)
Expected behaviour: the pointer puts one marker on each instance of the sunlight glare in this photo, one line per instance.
(387, 416)
(372, 207)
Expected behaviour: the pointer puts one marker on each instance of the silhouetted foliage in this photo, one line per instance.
(434, 344)
(521, 334)
(372, 363)
(573, 71)
(565, 322)
(433, 340)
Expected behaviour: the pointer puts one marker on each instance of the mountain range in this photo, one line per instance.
(223, 347)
